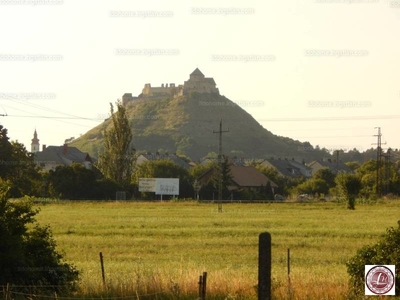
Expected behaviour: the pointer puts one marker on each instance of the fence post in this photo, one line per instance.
(290, 292)
(200, 287)
(8, 292)
(204, 285)
(102, 268)
(264, 266)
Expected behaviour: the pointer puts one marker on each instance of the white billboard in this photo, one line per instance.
(167, 186)
(147, 184)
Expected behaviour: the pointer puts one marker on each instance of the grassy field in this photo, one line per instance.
(160, 249)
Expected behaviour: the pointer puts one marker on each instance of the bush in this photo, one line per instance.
(348, 186)
(385, 252)
(29, 257)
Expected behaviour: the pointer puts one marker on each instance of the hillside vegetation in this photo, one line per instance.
(184, 125)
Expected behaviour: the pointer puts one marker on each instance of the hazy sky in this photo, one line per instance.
(323, 71)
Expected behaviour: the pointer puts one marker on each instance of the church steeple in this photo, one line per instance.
(35, 143)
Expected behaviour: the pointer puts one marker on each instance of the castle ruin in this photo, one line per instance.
(196, 83)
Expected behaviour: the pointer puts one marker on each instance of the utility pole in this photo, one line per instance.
(337, 162)
(378, 161)
(220, 132)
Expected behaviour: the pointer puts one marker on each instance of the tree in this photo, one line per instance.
(326, 175)
(348, 186)
(210, 187)
(353, 165)
(385, 252)
(166, 168)
(18, 168)
(29, 256)
(5, 153)
(269, 195)
(312, 186)
(75, 182)
(117, 159)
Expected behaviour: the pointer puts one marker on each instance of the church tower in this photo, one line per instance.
(35, 143)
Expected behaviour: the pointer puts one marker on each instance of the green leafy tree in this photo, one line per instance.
(116, 161)
(18, 168)
(6, 151)
(166, 168)
(312, 186)
(269, 195)
(389, 178)
(348, 186)
(353, 165)
(28, 254)
(210, 187)
(385, 252)
(326, 175)
(75, 182)
(285, 184)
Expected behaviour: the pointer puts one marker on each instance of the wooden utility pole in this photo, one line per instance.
(220, 165)
(378, 161)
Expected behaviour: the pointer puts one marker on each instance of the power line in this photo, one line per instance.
(312, 119)
(220, 132)
(47, 109)
(42, 117)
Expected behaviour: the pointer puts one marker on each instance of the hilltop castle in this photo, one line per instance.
(196, 83)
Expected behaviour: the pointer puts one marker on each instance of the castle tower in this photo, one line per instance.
(35, 143)
(196, 75)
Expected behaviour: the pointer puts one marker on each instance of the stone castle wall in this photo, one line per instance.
(197, 82)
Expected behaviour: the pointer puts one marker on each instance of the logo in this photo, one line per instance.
(379, 280)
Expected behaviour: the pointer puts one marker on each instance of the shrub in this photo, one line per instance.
(348, 186)
(29, 257)
(385, 252)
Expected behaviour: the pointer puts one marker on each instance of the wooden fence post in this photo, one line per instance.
(264, 266)
(102, 269)
(200, 286)
(290, 292)
(8, 292)
(204, 285)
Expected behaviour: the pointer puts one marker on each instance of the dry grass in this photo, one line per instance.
(161, 248)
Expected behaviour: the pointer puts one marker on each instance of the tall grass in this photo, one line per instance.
(160, 249)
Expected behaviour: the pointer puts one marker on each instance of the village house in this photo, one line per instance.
(333, 165)
(288, 168)
(52, 156)
(243, 178)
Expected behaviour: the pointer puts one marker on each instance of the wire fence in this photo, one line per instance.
(9, 293)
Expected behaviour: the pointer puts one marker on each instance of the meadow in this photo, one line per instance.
(158, 250)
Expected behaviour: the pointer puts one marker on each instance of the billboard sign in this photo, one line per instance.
(147, 184)
(167, 186)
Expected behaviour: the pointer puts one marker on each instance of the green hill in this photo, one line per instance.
(185, 124)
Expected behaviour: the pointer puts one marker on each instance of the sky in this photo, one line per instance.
(322, 71)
